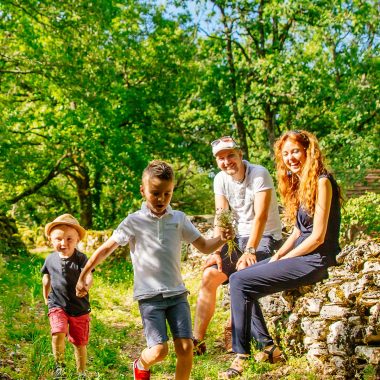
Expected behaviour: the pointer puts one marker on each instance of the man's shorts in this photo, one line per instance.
(157, 310)
(77, 329)
(265, 250)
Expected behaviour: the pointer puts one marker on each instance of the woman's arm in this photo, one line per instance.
(320, 220)
(287, 246)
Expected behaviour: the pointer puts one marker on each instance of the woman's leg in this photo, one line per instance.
(249, 285)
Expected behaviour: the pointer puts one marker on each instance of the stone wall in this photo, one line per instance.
(335, 323)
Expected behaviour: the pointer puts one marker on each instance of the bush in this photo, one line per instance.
(361, 216)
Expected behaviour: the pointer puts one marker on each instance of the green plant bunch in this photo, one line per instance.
(225, 218)
(360, 216)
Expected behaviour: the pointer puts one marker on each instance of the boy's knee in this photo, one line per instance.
(159, 352)
(183, 347)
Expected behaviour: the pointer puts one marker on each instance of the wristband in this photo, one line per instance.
(250, 251)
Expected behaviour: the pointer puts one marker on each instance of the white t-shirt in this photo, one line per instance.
(241, 197)
(155, 245)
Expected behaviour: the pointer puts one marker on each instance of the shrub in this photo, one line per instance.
(361, 216)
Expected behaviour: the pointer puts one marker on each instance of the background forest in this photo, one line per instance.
(90, 91)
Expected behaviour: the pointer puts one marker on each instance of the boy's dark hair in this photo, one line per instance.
(159, 169)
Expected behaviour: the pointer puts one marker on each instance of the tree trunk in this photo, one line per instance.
(269, 125)
(82, 181)
(240, 126)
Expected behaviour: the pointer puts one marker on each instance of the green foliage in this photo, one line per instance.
(92, 91)
(361, 214)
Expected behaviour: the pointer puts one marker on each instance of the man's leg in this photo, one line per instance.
(206, 302)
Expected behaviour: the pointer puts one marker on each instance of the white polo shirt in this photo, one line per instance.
(155, 245)
(241, 198)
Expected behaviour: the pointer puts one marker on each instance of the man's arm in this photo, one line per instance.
(261, 207)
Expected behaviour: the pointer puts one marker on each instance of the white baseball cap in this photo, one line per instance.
(224, 143)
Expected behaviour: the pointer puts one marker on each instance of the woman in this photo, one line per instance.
(312, 202)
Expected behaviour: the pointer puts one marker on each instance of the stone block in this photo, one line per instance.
(371, 354)
(315, 329)
(371, 266)
(334, 312)
(313, 306)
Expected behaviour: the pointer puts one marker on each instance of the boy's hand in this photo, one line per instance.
(227, 233)
(81, 289)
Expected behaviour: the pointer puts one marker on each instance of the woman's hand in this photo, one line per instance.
(275, 257)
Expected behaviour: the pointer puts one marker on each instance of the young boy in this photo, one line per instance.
(154, 234)
(68, 314)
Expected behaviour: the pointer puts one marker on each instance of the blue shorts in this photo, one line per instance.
(157, 310)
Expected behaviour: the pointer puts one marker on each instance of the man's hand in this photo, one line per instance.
(246, 260)
(81, 289)
(212, 260)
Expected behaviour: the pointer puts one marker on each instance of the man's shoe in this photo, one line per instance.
(199, 347)
(140, 374)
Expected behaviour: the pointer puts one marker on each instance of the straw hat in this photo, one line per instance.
(67, 220)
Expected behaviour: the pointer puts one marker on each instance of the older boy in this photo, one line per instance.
(68, 314)
(154, 234)
(248, 191)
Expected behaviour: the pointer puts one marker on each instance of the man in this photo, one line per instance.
(248, 191)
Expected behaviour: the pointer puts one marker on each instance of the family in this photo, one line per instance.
(261, 263)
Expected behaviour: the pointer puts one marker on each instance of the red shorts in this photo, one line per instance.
(76, 328)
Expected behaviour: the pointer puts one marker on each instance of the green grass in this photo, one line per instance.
(116, 337)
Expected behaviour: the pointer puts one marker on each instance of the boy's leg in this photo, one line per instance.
(184, 351)
(80, 357)
(58, 327)
(153, 355)
(179, 319)
(79, 332)
(58, 345)
(153, 315)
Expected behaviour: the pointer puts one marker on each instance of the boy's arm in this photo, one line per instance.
(98, 256)
(46, 287)
(210, 245)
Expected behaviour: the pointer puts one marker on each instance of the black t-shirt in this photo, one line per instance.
(330, 247)
(64, 274)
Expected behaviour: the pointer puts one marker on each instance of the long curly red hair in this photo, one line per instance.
(299, 190)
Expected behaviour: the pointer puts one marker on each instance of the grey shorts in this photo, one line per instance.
(157, 310)
(265, 250)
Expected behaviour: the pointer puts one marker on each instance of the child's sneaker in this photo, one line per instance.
(140, 374)
(59, 372)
